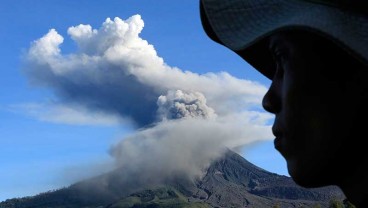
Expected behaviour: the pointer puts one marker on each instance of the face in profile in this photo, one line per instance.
(318, 97)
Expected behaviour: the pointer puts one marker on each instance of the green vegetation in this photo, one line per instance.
(339, 204)
(349, 205)
(166, 197)
(336, 204)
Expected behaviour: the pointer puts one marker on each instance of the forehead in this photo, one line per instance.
(294, 39)
(278, 39)
(316, 52)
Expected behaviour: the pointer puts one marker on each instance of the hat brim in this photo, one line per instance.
(243, 25)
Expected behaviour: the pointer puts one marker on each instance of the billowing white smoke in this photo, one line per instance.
(115, 71)
(185, 146)
(185, 119)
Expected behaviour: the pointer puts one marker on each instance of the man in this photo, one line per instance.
(316, 54)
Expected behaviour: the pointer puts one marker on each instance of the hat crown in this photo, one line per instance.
(357, 5)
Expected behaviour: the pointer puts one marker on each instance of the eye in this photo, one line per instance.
(279, 57)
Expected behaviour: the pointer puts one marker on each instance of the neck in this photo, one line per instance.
(355, 188)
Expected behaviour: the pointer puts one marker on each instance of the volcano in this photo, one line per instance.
(230, 182)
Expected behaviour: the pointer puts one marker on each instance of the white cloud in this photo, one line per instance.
(48, 45)
(63, 114)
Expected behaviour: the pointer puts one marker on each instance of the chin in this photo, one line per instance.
(305, 182)
(307, 176)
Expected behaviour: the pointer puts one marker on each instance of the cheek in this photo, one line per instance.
(313, 119)
(316, 141)
(311, 131)
(320, 122)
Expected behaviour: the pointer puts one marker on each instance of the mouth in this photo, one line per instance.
(282, 147)
(278, 136)
(283, 143)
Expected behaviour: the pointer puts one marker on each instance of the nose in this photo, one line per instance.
(271, 101)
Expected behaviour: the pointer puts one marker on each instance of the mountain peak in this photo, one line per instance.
(230, 181)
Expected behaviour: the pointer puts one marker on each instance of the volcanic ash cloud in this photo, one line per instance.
(183, 119)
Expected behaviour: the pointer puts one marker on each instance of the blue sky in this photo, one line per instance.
(38, 154)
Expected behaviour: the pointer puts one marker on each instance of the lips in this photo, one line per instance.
(283, 148)
(285, 145)
(279, 142)
(277, 134)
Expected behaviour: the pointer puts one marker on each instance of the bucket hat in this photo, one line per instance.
(243, 25)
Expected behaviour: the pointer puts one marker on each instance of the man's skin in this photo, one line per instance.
(319, 95)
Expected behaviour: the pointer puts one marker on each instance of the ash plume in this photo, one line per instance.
(183, 119)
(178, 104)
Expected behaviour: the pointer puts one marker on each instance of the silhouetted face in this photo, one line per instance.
(316, 96)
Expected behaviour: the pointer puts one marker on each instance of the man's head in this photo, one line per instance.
(319, 92)
(318, 95)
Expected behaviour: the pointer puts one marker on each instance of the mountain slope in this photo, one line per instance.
(164, 197)
(233, 179)
(230, 181)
